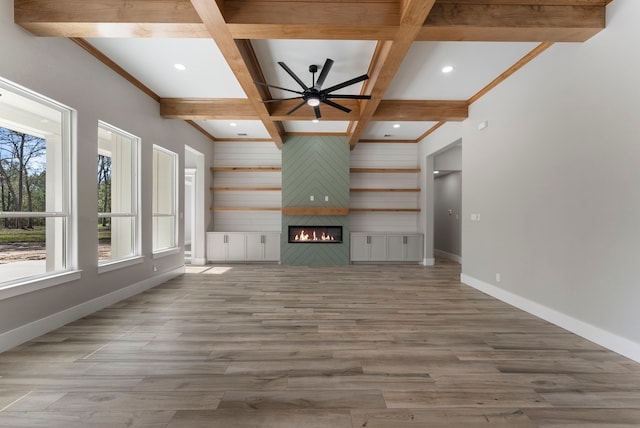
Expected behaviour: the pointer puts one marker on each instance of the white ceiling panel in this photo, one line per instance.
(323, 126)
(475, 65)
(243, 128)
(386, 130)
(151, 61)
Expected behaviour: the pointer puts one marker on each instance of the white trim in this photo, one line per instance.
(119, 264)
(446, 255)
(198, 262)
(429, 262)
(22, 334)
(165, 252)
(621, 345)
(30, 284)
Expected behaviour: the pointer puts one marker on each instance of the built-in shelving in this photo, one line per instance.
(385, 170)
(246, 168)
(245, 189)
(245, 209)
(385, 189)
(400, 190)
(389, 210)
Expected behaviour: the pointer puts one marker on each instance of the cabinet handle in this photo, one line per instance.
(226, 239)
(262, 240)
(404, 240)
(368, 240)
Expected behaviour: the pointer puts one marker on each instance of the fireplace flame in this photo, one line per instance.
(304, 236)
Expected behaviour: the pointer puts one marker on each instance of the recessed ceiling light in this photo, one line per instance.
(233, 124)
(180, 67)
(447, 69)
(396, 125)
(436, 172)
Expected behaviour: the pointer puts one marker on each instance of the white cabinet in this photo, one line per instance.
(367, 247)
(404, 248)
(263, 246)
(386, 247)
(240, 246)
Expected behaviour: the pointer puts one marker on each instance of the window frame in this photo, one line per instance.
(66, 201)
(135, 203)
(174, 248)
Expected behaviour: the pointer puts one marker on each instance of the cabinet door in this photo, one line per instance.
(216, 246)
(395, 247)
(359, 248)
(236, 247)
(413, 248)
(377, 248)
(271, 246)
(255, 247)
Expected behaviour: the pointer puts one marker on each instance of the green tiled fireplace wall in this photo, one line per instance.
(317, 166)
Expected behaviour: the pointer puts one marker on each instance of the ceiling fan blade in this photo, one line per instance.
(277, 87)
(296, 107)
(316, 109)
(293, 75)
(345, 84)
(336, 105)
(323, 74)
(280, 99)
(350, 97)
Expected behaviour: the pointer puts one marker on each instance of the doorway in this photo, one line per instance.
(194, 211)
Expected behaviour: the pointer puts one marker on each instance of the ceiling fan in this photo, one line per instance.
(314, 95)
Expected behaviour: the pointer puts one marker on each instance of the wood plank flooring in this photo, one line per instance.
(334, 347)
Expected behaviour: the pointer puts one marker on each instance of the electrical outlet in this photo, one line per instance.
(311, 198)
(326, 199)
(498, 277)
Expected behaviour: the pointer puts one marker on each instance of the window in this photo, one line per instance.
(35, 186)
(165, 199)
(118, 194)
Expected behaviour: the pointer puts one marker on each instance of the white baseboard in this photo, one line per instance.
(615, 343)
(429, 262)
(446, 255)
(198, 261)
(22, 334)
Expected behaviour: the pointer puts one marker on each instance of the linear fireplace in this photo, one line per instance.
(315, 234)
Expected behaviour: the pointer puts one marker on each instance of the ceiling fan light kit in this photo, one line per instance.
(314, 95)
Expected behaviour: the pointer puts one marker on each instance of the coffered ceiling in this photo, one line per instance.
(228, 45)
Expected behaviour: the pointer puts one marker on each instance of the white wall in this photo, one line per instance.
(556, 179)
(59, 69)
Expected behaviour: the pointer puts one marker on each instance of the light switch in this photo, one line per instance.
(326, 199)
(311, 198)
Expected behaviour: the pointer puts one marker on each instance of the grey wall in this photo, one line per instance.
(447, 215)
(317, 166)
(555, 177)
(59, 69)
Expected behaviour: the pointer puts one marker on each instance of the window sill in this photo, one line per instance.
(28, 285)
(119, 264)
(166, 252)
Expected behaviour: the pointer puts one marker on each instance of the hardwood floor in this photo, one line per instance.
(340, 347)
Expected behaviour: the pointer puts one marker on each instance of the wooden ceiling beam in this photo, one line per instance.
(242, 109)
(455, 21)
(235, 54)
(207, 109)
(418, 111)
(387, 60)
(449, 20)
